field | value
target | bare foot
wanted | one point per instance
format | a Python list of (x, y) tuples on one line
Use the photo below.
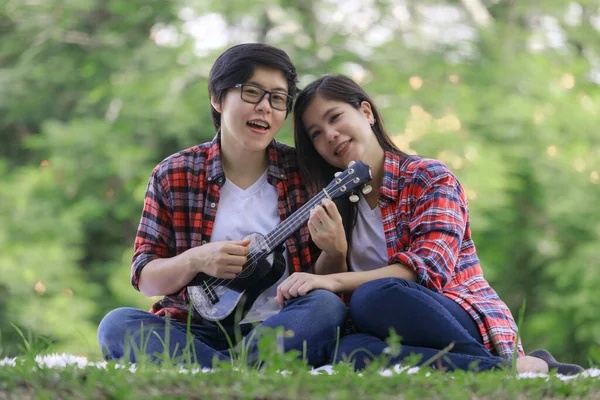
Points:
[(531, 364)]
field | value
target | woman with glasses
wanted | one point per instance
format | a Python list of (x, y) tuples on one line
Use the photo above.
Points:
[(200, 206), (411, 262)]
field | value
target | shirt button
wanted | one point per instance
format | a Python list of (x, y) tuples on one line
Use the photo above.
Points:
[(203, 242), (282, 175), (209, 178), (212, 205)]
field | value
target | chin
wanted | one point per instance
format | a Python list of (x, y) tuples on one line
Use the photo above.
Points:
[(337, 164), (350, 159)]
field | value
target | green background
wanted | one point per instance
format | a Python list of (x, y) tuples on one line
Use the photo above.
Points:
[(94, 93)]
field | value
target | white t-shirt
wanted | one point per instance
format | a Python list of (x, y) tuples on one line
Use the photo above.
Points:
[(242, 212), (369, 250)]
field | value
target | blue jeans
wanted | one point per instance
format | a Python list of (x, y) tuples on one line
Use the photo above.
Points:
[(315, 319), (426, 322)]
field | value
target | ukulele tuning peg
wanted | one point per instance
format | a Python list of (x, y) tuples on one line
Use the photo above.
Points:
[(353, 198), (337, 174), (351, 163), (366, 189)]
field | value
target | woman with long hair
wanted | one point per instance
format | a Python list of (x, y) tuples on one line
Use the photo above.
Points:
[(404, 250)]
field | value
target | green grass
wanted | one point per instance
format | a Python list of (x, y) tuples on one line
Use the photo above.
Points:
[(28, 380), (281, 376)]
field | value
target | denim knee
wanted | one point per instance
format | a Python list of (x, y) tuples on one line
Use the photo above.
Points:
[(118, 323), (372, 297), (325, 298), (327, 303), (320, 308)]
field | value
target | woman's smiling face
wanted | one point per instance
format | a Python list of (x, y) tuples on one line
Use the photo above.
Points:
[(340, 132)]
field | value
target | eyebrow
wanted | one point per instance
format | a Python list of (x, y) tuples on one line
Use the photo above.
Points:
[(277, 89), (323, 117)]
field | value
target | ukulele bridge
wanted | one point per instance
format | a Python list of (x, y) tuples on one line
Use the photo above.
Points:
[(212, 296)]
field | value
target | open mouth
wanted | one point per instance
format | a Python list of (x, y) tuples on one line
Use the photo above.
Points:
[(341, 148), (259, 125)]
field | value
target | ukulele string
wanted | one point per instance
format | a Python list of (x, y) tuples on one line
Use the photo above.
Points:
[(255, 256), (211, 283)]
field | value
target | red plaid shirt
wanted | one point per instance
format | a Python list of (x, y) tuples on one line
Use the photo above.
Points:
[(426, 224), (181, 204)]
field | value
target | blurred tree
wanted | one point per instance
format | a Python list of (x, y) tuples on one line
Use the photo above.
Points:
[(89, 103), (95, 93)]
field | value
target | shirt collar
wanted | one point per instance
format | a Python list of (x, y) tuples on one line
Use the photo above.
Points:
[(215, 171), (392, 177)]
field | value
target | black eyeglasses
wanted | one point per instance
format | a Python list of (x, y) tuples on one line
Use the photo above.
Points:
[(253, 94)]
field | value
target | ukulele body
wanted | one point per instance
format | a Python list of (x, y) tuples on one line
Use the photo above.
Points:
[(216, 299)]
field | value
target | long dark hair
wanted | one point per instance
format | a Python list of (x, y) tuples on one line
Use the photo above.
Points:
[(315, 171)]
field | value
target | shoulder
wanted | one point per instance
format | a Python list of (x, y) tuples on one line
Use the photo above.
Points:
[(185, 160), (285, 152), (285, 148), (286, 157), (425, 171), (287, 169)]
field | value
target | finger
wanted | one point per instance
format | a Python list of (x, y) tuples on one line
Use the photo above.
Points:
[(293, 290), (305, 288), (312, 228), (288, 281), (225, 275), (279, 298), (242, 242), (325, 219), (237, 249), (317, 214), (326, 203), (234, 260), (332, 210), (284, 287), (285, 291), (233, 269)]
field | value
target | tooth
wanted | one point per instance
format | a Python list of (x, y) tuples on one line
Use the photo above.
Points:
[(340, 149), (259, 123)]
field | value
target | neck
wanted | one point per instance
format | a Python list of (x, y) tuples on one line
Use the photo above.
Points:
[(243, 169), (376, 162), (242, 164)]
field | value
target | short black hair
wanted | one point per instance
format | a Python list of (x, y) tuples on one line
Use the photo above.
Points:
[(237, 65)]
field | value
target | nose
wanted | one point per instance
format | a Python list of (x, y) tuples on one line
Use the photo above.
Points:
[(331, 134), (264, 105)]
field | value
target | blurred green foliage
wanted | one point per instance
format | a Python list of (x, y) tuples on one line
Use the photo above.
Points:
[(93, 94)]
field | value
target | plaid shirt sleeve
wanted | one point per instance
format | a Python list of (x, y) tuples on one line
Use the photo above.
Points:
[(437, 226), (155, 237)]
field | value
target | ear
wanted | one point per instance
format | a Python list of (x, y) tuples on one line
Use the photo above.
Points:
[(367, 111), (215, 104)]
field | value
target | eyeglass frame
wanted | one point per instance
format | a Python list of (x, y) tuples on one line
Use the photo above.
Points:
[(288, 103)]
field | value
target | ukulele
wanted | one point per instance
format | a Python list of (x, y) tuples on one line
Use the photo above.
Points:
[(218, 299)]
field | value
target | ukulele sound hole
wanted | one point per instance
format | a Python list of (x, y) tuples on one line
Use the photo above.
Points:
[(258, 248)]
